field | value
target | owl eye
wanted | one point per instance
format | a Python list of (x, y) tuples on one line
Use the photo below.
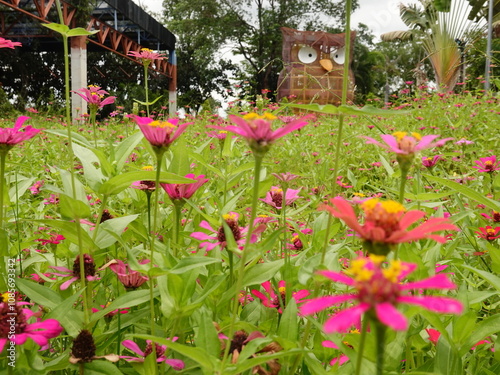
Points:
[(338, 55), (307, 55)]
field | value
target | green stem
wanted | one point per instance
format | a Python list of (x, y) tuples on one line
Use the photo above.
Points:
[(361, 349), (99, 217), (177, 224), (404, 174), (146, 87), (380, 331), (3, 157), (241, 272), (93, 121)]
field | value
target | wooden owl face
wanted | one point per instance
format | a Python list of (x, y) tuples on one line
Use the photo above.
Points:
[(314, 66)]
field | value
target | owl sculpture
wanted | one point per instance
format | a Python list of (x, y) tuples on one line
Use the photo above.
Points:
[(314, 67)]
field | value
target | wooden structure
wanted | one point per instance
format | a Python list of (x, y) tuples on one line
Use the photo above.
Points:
[(314, 67), (123, 27)]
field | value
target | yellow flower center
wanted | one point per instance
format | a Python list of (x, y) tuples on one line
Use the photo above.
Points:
[(295, 238), (282, 290), (230, 217), (358, 271), (4, 297), (392, 272), (490, 231), (147, 168), (146, 50), (255, 116), (277, 190), (161, 124), (222, 131), (361, 195), (488, 162)]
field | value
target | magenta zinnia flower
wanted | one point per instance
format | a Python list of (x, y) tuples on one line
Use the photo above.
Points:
[(489, 233), (386, 223), (74, 274), (160, 134), (177, 364), (218, 238), (95, 96), (488, 165), (15, 317), (431, 161), (274, 197), (278, 300), (402, 143), (184, 191), (6, 43), (256, 129), (379, 290), (147, 55), (9, 137)]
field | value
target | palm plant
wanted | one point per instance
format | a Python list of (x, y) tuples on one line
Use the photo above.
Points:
[(444, 32)]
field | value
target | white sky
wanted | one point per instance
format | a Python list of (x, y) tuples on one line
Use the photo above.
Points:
[(379, 15)]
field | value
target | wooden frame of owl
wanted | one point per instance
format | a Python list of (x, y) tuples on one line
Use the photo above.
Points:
[(314, 67)]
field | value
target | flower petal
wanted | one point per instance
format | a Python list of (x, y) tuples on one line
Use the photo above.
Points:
[(338, 277), (131, 345), (437, 304), (344, 319), (312, 306), (435, 282), (390, 316)]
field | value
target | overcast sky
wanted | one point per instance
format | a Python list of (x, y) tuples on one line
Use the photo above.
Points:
[(380, 16)]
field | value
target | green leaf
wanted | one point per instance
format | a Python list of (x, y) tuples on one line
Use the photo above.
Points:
[(489, 277), (70, 319), (206, 335), (189, 263), (123, 181), (39, 294), (447, 360), (370, 110), (93, 175), (148, 103), (328, 108), (75, 136), (4, 243), (289, 327), (72, 209), (261, 272), (101, 367), (57, 27), (129, 299), (487, 327), (113, 226), (80, 31), (468, 192), (124, 149)]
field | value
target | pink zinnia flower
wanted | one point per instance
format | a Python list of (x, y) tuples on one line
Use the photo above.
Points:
[(6, 43), (488, 165), (9, 137), (147, 55), (431, 161), (274, 197), (74, 274), (40, 332), (184, 191), (341, 359), (95, 96), (35, 188), (54, 239), (405, 144), (379, 290), (488, 233), (257, 131), (218, 238), (177, 364), (277, 300), (495, 216), (160, 134), (386, 223)]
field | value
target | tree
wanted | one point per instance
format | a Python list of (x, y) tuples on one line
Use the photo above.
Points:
[(248, 28), (443, 35)]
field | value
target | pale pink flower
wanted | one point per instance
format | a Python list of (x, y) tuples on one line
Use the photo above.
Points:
[(407, 144), (160, 134), (95, 96), (146, 55), (9, 137), (274, 197), (379, 290)]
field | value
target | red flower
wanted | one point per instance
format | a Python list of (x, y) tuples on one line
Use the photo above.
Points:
[(488, 233)]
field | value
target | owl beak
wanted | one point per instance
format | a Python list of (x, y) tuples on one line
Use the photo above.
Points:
[(326, 64)]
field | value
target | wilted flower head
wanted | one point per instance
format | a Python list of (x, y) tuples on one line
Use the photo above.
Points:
[(386, 224), (83, 349), (184, 191), (89, 270), (9, 137), (378, 289), (129, 278)]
